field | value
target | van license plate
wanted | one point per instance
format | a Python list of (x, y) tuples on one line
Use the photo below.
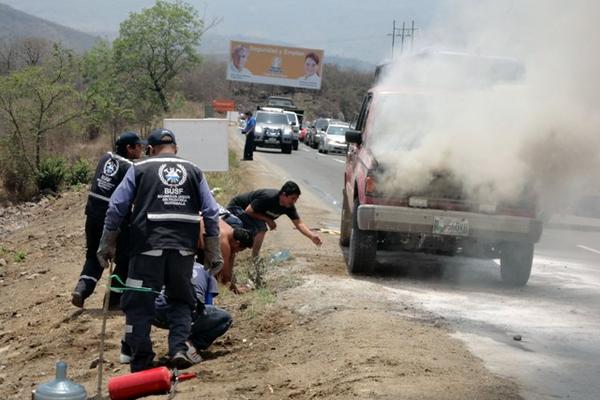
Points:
[(450, 226)]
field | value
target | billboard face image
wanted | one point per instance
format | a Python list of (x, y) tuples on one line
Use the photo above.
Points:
[(275, 65)]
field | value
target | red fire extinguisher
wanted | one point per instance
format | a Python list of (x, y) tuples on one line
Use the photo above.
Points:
[(144, 383)]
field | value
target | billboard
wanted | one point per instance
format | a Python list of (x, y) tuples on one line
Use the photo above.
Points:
[(275, 65)]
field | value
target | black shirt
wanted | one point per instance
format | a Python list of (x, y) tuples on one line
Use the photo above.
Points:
[(264, 201)]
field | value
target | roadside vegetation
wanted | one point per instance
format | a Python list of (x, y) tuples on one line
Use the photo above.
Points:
[(59, 110)]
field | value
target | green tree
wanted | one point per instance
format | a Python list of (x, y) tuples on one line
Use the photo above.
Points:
[(36, 100), (157, 44), (110, 99)]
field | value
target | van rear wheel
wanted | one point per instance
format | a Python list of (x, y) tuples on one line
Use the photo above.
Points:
[(515, 263), (346, 223), (363, 248)]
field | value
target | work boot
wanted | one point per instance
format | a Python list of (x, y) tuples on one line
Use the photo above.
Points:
[(79, 294)]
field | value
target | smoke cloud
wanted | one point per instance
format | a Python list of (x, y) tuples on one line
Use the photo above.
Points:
[(525, 114)]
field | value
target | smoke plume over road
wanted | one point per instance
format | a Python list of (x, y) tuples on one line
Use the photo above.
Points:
[(526, 113)]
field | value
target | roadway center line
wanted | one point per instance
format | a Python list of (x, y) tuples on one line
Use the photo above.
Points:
[(588, 249)]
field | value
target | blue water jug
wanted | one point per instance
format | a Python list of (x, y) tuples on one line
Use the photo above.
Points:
[(60, 388)]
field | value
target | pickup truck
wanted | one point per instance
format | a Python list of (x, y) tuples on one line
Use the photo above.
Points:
[(439, 219)]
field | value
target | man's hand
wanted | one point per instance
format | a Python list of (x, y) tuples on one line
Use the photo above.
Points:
[(238, 290), (107, 248), (272, 224), (316, 240), (213, 260)]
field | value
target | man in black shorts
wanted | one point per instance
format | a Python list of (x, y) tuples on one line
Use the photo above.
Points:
[(259, 209)]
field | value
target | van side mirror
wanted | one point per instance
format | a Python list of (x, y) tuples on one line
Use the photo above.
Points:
[(353, 136)]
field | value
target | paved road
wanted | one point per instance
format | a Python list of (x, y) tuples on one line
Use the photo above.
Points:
[(557, 315)]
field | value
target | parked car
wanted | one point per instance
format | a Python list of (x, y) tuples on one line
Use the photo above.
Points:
[(334, 138), (273, 130), (439, 218)]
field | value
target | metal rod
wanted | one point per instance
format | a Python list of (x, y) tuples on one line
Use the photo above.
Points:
[(103, 330)]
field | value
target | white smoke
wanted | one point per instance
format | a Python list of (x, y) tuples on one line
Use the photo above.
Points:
[(496, 139)]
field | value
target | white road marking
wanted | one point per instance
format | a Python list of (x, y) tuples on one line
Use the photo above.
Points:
[(340, 161), (306, 149), (588, 249)]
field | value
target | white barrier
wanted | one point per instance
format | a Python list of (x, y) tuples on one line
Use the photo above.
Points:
[(202, 141)]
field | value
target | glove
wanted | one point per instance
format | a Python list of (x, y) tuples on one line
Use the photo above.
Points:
[(213, 260), (107, 248)]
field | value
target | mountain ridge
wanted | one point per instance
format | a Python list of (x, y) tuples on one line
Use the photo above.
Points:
[(16, 24)]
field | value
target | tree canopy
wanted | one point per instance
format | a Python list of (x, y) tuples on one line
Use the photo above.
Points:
[(158, 43)]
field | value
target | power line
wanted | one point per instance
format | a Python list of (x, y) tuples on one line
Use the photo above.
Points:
[(403, 33)]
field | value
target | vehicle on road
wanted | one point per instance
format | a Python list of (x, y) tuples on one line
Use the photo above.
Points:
[(440, 219), (280, 101), (314, 135), (273, 130), (302, 134), (295, 124), (334, 138)]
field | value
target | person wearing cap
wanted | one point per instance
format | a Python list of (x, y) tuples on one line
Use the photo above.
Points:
[(110, 171), (167, 193)]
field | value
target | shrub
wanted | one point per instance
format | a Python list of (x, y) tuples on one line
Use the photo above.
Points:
[(80, 173), (20, 256), (16, 177), (52, 173)]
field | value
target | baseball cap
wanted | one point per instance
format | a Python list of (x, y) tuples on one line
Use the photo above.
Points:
[(161, 136), (130, 138)]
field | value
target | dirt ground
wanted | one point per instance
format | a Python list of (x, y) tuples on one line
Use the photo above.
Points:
[(313, 333)]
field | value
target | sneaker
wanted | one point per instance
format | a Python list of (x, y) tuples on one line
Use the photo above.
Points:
[(192, 353), (124, 358)]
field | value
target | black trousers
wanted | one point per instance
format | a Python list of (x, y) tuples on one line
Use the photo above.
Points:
[(249, 146), (92, 271), (174, 271)]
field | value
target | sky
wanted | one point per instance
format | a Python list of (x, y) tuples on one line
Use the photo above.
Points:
[(350, 28)]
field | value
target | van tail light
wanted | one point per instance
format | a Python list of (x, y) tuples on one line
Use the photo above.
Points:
[(371, 185)]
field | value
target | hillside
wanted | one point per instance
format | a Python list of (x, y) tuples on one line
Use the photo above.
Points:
[(15, 24)]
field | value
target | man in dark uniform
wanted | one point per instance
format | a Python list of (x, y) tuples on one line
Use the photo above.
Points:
[(210, 321), (109, 173), (260, 208), (249, 132), (167, 193)]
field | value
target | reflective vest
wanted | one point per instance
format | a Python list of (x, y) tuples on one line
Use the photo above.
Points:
[(109, 173), (167, 204)]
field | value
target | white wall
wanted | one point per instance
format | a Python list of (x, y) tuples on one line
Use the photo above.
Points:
[(202, 141)]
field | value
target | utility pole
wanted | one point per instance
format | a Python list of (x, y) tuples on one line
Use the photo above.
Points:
[(403, 33)]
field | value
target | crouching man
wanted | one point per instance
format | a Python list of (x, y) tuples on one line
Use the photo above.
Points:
[(208, 321)]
